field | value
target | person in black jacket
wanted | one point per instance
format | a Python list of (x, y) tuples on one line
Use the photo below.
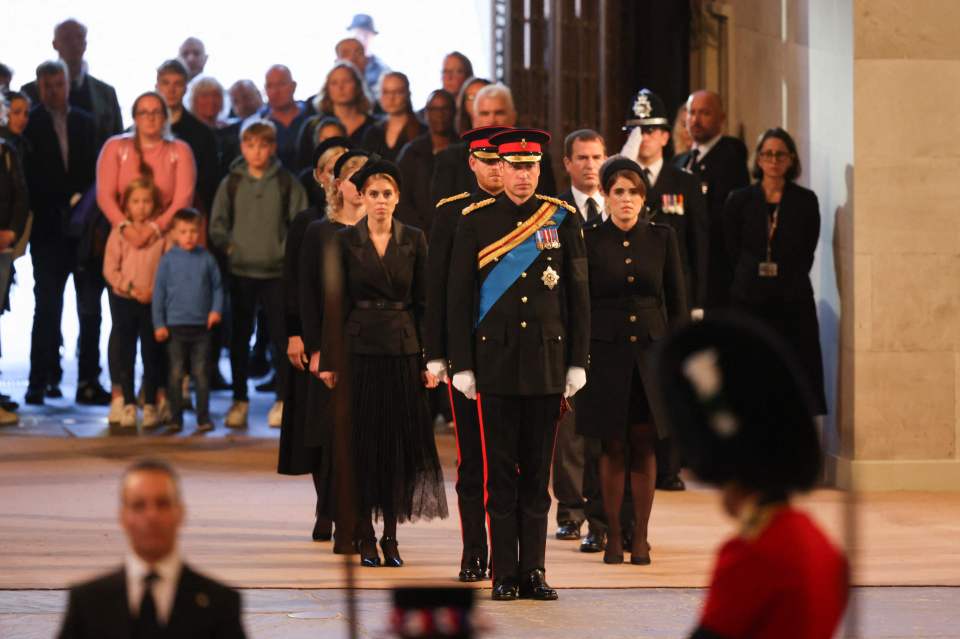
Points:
[(772, 229), (383, 264), (297, 457), (14, 210), (637, 293), (518, 317), (172, 85), (719, 163), (60, 172), (485, 164), (155, 593), (400, 125)]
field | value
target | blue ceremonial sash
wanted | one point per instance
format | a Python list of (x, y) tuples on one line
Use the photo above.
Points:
[(509, 268)]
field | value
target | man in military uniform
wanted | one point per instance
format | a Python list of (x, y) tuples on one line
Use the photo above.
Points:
[(518, 313), (485, 165), (674, 199), (719, 164)]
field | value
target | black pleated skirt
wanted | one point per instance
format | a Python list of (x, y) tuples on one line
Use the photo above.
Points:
[(298, 455), (395, 455)]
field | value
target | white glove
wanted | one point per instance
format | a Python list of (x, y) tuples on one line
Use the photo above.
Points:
[(576, 379), (438, 368), (631, 148), (696, 314), (466, 383)]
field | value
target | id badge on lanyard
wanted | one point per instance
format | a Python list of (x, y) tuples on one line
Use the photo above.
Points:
[(769, 268)]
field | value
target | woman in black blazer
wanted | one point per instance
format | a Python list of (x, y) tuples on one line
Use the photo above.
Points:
[(772, 229), (637, 292), (383, 264)]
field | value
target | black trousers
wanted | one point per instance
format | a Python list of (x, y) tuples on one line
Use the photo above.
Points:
[(519, 434), (568, 459), (473, 525), (189, 343), (54, 261), (132, 321), (245, 294)]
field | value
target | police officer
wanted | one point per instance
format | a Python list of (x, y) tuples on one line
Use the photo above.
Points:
[(484, 163), (518, 316), (674, 198)]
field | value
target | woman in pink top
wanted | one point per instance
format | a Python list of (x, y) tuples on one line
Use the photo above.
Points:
[(149, 151)]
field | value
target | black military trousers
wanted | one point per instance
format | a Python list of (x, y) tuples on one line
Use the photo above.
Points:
[(519, 434), (473, 525)]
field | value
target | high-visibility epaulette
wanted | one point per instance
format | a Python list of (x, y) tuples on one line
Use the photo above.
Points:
[(453, 198), (558, 202), (478, 205)]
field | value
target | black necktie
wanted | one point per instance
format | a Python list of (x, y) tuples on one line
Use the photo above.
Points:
[(647, 176), (592, 211), (692, 162), (147, 623)]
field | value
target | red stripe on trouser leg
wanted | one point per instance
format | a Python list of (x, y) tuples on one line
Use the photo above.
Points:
[(486, 474), (456, 438)]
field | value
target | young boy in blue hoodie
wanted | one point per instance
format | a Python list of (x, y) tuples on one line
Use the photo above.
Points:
[(187, 303), (252, 209)]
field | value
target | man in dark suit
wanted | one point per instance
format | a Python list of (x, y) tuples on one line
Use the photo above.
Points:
[(674, 198), (86, 92), (492, 106), (719, 163), (154, 593), (584, 151), (518, 314), (172, 85), (60, 171)]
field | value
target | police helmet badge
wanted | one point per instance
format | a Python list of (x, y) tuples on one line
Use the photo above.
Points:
[(641, 106)]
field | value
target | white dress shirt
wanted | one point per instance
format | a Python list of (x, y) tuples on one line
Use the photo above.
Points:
[(581, 199), (705, 147), (654, 170), (164, 588)]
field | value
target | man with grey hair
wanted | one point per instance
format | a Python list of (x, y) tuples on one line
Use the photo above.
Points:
[(154, 593), (86, 92), (492, 106)]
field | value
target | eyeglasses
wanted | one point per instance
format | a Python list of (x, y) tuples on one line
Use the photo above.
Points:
[(775, 156), (149, 114)]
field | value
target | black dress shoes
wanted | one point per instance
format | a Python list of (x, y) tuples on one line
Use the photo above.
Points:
[(322, 529), (369, 557), (53, 391), (534, 585), (34, 396), (391, 552), (505, 589), (472, 568), (593, 542), (92, 394), (569, 530), (671, 483)]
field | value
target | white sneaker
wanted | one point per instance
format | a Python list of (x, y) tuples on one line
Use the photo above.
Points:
[(275, 416), (129, 417), (8, 418), (151, 418), (237, 415), (116, 411)]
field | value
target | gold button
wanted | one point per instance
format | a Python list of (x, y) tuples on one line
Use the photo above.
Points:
[(523, 324), (626, 243), (633, 318), (549, 259), (633, 338), (559, 338), (524, 299), (483, 338), (630, 278), (628, 261), (519, 223), (524, 274)]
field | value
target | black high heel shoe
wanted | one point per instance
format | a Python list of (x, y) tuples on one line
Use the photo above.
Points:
[(391, 554), (640, 555), (368, 553), (322, 529)]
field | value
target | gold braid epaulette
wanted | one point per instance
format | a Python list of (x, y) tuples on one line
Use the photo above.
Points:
[(558, 202), (478, 205), (453, 198)]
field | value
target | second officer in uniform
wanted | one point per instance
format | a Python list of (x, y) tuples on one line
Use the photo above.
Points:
[(519, 325)]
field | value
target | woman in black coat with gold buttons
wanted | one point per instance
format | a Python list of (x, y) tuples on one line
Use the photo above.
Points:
[(636, 295)]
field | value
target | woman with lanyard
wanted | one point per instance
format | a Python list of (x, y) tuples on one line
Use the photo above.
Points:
[(772, 229), (636, 293), (739, 410)]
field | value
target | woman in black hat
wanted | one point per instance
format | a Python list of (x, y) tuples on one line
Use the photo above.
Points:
[(740, 411), (395, 458), (636, 294), (772, 229), (308, 446)]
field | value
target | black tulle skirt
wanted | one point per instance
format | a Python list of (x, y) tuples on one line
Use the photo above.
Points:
[(395, 455)]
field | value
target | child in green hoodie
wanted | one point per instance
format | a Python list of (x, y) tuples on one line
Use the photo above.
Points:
[(251, 212)]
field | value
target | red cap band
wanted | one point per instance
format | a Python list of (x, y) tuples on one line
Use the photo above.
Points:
[(519, 147), (481, 144)]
